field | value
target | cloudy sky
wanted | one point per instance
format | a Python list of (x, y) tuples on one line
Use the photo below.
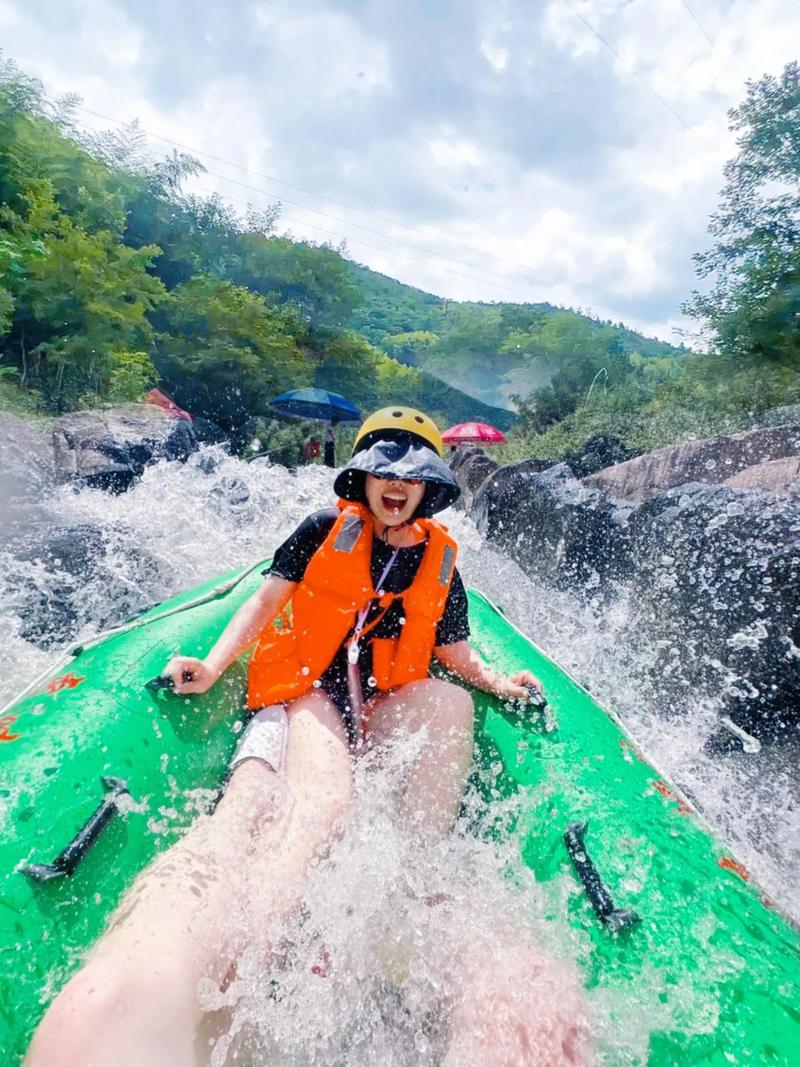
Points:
[(560, 150)]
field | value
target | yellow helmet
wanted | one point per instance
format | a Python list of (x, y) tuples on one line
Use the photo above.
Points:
[(392, 422)]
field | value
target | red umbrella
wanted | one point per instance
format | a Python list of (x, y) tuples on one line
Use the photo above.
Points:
[(161, 400), (480, 433)]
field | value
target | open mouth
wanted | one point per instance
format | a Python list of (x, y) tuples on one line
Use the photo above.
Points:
[(393, 502)]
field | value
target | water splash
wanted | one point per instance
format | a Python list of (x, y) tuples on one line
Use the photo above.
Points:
[(368, 908)]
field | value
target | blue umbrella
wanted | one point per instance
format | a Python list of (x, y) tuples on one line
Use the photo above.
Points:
[(316, 404)]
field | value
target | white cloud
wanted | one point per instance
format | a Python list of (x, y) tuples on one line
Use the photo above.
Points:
[(455, 153), (496, 57), (512, 143), (328, 49)]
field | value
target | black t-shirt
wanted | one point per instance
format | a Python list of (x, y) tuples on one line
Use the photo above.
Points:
[(292, 558)]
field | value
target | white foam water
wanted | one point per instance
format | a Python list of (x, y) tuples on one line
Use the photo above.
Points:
[(403, 931)]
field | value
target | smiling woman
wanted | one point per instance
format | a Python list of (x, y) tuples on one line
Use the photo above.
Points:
[(375, 596), (389, 498)]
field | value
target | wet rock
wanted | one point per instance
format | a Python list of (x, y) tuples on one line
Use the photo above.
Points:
[(712, 572), (711, 461), (62, 577), (774, 476), (786, 415), (597, 453), (471, 466), (110, 448), (208, 433), (554, 526), (716, 584)]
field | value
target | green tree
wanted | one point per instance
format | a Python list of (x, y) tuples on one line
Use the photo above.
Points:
[(411, 347), (81, 301), (224, 352), (752, 311)]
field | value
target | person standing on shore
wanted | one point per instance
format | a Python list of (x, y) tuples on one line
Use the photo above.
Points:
[(330, 443)]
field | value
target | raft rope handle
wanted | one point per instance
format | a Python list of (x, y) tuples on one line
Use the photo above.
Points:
[(65, 657), (68, 859), (599, 897)]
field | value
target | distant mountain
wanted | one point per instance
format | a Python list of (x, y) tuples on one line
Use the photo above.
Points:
[(391, 383), (490, 351)]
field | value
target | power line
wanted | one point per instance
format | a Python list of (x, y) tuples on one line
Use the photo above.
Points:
[(710, 39), (635, 73), (700, 25), (488, 276), (392, 252), (308, 192), (379, 233)]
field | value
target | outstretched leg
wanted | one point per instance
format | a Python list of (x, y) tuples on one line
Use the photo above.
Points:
[(514, 1005), (191, 913), (319, 790), (134, 1001)]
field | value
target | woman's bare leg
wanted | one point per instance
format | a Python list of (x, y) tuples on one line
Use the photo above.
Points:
[(134, 1001), (319, 791), (191, 913), (514, 1005), (436, 784)]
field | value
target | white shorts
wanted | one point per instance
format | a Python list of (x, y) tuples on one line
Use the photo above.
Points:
[(264, 738)]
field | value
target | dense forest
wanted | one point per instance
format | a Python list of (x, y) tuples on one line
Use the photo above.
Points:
[(114, 279)]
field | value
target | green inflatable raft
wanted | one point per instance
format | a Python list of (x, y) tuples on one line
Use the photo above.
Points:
[(94, 766)]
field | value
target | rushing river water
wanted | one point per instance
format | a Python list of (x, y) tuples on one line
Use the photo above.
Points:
[(182, 524)]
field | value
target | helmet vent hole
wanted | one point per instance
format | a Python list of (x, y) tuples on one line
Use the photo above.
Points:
[(418, 418), (397, 414)]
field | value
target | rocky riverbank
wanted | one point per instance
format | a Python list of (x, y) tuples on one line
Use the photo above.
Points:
[(703, 538)]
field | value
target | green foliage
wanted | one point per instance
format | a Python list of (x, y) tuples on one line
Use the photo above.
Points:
[(6, 303), (411, 347), (223, 351), (495, 352), (388, 308), (352, 366), (132, 374), (753, 308), (15, 398), (80, 300), (312, 278)]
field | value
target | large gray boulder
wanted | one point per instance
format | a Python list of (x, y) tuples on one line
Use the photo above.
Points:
[(471, 466), (598, 452), (711, 571), (553, 525), (716, 586), (711, 461), (110, 448), (774, 476)]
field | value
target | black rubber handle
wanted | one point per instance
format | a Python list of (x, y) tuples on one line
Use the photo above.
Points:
[(65, 863), (166, 681), (599, 897), (539, 701)]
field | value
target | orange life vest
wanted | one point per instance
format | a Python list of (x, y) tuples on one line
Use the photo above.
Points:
[(293, 652)]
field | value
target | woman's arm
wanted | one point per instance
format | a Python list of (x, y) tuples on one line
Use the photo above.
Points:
[(464, 661), (257, 612)]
